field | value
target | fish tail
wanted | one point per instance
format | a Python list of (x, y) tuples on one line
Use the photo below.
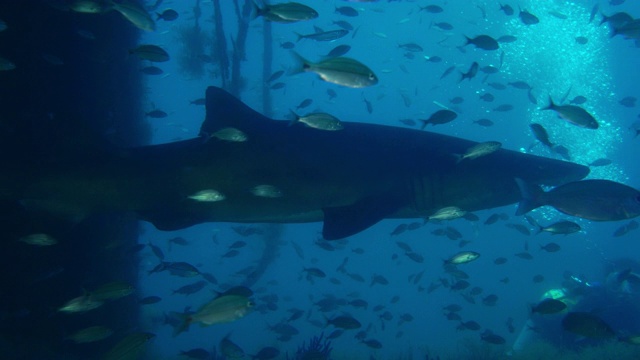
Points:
[(257, 10), (459, 158), (424, 124), (295, 116), (301, 64), (185, 321), (551, 105), (300, 36), (529, 197)]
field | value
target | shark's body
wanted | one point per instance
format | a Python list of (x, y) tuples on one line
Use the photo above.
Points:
[(350, 179)]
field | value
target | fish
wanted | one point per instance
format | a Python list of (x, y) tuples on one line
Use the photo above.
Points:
[(447, 213), (208, 195), (130, 347), (190, 288), (484, 42), (506, 9), (324, 36), (320, 121), (347, 11), (152, 182), (6, 64), (587, 325), (135, 13), (471, 73), (39, 239), (439, 117), (339, 70), (80, 304), (481, 149), (574, 115), (540, 133), (434, 9), (338, 51), (167, 15), (528, 18), (462, 257), (88, 6), (152, 53), (289, 12), (561, 227), (90, 334), (344, 322), (111, 291), (225, 308), (597, 200)]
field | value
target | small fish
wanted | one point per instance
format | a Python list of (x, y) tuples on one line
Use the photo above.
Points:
[(324, 36), (340, 70), (506, 9), (503, 108), (587, 325), (345, 322), (39, 239), (6, 65), (152, 53), (560, 227), (136, 14), (167, 15), (347, 11), (230, 134), (550, 247), (447, 213), (227, 307), (439, 117), (338, 51), (481, 149), (90, 334), (112, 290), (285, 12), (484, 42), (190, 288), (208, 195), (150, 300), (528, 18), (462, 257), (151, 70), (471, 73), (130, 347), (574, 115), (266, 191), (434, 9), (320, 121), (80, 304), (483, 122)]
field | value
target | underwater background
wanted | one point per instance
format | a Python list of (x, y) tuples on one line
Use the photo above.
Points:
[(73, 73)]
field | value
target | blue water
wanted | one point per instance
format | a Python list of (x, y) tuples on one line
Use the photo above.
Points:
[(545, 55)]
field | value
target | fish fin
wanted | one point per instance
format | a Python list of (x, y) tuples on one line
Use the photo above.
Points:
[(301, 64), (165, 219), (185, 321), (343, 221), (529, 197), (224, 109), (295, 116)]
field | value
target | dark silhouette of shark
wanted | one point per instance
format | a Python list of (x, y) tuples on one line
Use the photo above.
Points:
[(350, 179)]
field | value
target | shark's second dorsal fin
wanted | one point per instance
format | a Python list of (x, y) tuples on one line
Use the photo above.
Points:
[(225, 110)]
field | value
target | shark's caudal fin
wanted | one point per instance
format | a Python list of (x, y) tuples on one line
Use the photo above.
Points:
[(223, 110)]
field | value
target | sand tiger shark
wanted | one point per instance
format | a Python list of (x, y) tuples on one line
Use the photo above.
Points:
[(348, 179)]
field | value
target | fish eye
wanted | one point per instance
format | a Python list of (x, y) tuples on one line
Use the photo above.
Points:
[(372, 76)]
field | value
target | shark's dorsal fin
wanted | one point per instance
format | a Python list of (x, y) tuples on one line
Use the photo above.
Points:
[(224, 110)]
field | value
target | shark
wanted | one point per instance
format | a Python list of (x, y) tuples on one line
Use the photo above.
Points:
[(348, 179)]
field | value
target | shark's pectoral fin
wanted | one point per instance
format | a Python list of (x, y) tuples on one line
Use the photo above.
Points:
[(343, 221), (167, 219)]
